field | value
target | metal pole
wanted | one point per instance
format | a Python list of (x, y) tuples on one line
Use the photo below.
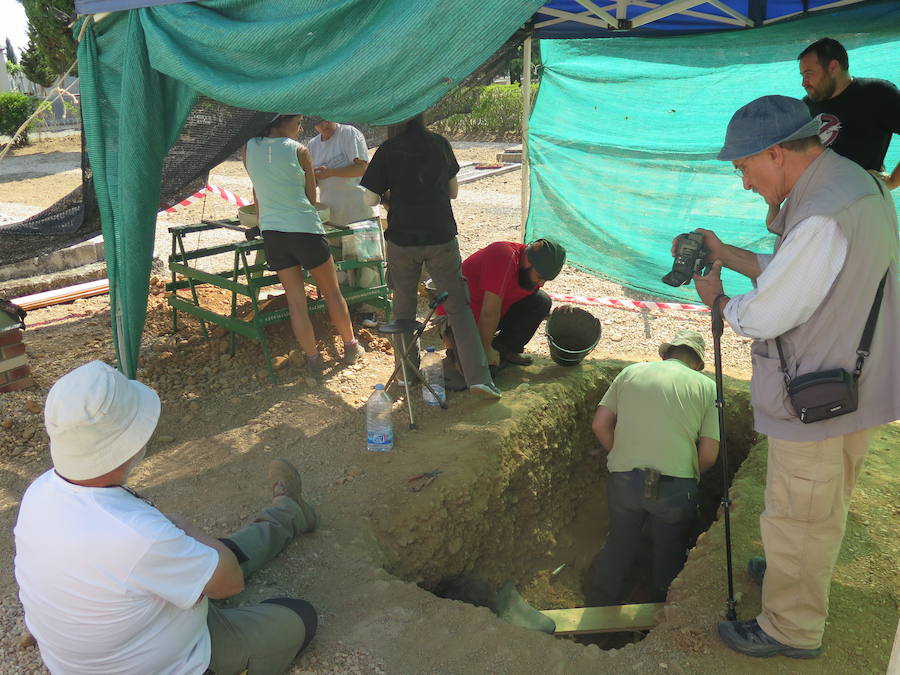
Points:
[(718, 326), (526, 112)]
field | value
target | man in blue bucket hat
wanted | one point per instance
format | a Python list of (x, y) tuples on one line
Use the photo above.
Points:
[(659, 423), (831, 279)]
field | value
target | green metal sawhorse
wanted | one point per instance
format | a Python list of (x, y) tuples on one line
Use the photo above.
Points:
[(246, 279)]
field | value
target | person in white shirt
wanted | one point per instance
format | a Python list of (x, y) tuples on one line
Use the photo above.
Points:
[(110, 584), (340, 158)]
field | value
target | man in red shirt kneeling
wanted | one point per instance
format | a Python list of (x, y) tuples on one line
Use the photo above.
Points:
[(505, 280)]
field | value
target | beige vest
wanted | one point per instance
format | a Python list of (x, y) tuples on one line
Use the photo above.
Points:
[(836, 187)]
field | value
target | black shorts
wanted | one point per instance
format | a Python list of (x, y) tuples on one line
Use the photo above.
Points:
[(289, 249)]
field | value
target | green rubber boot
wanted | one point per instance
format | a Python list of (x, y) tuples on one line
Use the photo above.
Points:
[(512, 608)]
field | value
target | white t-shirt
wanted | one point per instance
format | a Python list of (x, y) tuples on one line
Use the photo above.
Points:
[(341, 195), (108, 583)]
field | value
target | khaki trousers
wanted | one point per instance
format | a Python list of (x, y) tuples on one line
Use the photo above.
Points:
[(808, 490)]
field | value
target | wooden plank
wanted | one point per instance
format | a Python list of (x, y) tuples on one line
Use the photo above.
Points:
[(613, 619), (468, 175), (60, 295)]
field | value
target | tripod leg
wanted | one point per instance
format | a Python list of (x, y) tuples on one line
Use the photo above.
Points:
[(403, 362), (406, 349), (718, 327)]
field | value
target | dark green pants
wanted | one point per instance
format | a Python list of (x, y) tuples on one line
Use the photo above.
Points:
[(263, 638)]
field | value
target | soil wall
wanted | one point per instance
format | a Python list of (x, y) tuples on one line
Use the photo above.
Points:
[(512, 487)]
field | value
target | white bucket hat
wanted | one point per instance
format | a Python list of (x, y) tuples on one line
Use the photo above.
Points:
[(97, 419)]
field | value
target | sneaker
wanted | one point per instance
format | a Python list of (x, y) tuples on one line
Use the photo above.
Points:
[(515, 358), (413, 380), (352, 352), (286, 482), (487, 391), (756, 569), (748, 638)]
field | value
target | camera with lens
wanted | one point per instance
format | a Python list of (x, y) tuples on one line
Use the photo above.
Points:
[(691, 257)]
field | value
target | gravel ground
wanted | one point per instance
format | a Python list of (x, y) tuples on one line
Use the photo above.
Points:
[(207, 407)]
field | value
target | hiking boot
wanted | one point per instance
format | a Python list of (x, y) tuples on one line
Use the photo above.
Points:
[(286, 482), (756, 569), (353, 352), (512, 608), (487, 391), (748, 638)]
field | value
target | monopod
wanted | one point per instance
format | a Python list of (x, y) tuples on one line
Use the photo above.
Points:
[(718, 326)]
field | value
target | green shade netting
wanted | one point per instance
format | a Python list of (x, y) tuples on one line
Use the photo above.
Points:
[(624, 133), (374, 61)]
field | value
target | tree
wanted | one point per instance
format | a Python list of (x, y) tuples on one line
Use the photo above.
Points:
[(36, 68), (50, 36), (515, 64), (11, 53)]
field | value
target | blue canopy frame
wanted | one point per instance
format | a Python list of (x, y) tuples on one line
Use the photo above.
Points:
[(572, 19)]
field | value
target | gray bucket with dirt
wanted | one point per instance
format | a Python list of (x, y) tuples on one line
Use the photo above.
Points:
[(572, 334)]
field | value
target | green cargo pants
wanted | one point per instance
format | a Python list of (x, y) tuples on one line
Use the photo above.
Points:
[(267, 637)]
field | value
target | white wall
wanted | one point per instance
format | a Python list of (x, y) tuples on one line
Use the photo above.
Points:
[(4, 76)]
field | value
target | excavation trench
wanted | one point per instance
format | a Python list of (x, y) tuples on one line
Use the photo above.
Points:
[(522, 496)]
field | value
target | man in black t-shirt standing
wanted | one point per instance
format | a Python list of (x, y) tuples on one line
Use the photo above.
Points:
[(414, 172), (859, 115)]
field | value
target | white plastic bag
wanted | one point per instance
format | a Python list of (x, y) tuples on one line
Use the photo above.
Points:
[(365, 244)]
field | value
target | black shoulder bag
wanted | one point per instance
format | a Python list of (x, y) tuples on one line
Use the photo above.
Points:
[(831, 393)]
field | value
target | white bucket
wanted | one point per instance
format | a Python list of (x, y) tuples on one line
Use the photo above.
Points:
[(248, 216)]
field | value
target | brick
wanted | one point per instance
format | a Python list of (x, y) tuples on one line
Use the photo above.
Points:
[(15, 362), (10, 337), (24, 383), (3, 378), (18, 373), (12, 350)]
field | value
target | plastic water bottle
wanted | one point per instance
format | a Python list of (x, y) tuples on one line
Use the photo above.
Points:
[(379, 428), (433, 374)]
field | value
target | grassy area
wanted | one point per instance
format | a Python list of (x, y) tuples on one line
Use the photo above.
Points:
[(865, 590)]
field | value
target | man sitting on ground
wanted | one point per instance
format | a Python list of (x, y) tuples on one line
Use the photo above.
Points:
[(505, 280), (110, 584), (658, 421)]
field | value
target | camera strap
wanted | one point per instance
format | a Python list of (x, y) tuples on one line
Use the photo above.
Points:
[(864, 343)]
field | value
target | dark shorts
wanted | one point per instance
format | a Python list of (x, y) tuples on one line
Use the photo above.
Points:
[(289, 249)]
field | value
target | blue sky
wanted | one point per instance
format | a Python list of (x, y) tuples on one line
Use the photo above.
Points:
[(13, 25)]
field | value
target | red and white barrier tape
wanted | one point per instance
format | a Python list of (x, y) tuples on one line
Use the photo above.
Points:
[(227, 195), (618, 303), (633, 305)]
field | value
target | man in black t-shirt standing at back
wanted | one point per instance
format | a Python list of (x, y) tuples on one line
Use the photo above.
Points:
[(859, 115), (414, 172)]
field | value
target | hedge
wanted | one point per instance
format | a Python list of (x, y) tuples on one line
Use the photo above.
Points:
[(15, 108), (496, 114)]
